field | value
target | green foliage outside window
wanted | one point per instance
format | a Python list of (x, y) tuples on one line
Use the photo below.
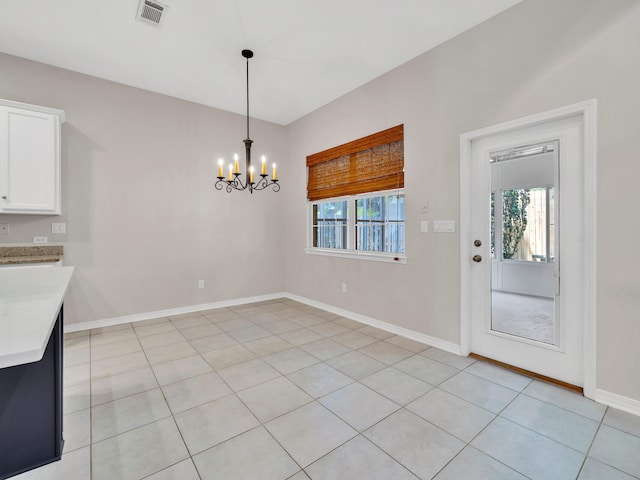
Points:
[(514, 220)]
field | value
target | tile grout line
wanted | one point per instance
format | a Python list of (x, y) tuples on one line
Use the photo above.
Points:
[(149, 365), (128, 396), (235, 394), (261, 424), (584, 460), (316, 400), (593, 440), (247, 314), (496, 415), (190, 457), (282, 375)]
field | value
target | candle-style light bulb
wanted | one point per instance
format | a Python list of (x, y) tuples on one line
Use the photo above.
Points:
[(236, 167), (251, 174), (220, 170), (275, 172), (264, 165), (230, 172)]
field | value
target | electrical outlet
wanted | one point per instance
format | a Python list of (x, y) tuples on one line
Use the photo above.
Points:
[(4, 229), (344, 287), (58, 228), (200, 283), (40, 240)]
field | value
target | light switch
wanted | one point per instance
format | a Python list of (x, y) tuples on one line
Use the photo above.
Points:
[(424, 226), (444, 226)]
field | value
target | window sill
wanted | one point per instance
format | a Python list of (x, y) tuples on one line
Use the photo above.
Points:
[(371, 256)]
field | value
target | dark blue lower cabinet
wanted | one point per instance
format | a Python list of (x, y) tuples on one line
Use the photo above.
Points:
[(31, 410)]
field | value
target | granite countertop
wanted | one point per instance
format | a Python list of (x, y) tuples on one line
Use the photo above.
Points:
[(30, 254), (29, 305)]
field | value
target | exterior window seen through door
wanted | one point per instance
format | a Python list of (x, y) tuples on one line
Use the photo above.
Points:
[(527, 225)]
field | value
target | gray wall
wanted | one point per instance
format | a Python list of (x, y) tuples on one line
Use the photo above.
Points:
[(144, 222), (536, 56)]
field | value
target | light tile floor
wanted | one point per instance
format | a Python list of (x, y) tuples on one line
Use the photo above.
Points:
[(280, 390)]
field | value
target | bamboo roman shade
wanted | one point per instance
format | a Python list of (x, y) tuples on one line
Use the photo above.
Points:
[(369, 164)]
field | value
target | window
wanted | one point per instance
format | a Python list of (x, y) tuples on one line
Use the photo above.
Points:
[(380, 223), (356, 198), (377, 226), (330, 224), (526, 223)]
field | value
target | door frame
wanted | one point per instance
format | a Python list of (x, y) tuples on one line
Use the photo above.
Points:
[(586, 113)]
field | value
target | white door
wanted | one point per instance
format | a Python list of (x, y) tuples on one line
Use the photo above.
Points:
[(526, 295)]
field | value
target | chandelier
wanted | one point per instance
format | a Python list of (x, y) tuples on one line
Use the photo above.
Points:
[(253, 181)]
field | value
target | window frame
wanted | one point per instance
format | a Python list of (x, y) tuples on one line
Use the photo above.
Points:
[(351, 251)]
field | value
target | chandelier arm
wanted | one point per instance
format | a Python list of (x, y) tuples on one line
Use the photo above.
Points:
[(225, 184), (260, 184), (237, 182), (264, 183)]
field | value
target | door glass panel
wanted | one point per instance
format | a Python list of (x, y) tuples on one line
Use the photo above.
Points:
[(523, 243), (527, 224)]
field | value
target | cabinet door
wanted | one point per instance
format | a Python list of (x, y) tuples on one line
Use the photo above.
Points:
[(29, 162)]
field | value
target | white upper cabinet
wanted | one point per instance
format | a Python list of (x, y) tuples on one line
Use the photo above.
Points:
[(29, 158)]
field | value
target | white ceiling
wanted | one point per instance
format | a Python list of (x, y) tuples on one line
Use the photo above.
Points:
[(307, 53)]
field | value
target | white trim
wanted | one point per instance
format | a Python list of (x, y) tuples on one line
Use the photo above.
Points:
[(136, 317), (35, 108), (589, 119), (587, 110), (614, 400), (358, 255), (465, 248), (388, 327)]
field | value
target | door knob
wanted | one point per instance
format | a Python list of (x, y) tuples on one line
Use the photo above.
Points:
[(477, 243), (477, 258)]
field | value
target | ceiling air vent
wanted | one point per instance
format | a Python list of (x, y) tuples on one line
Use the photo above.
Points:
[(151, 12)]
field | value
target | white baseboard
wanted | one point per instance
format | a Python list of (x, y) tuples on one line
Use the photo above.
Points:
[(388, 327), (614, 400), (403, 332), (107, 322)]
